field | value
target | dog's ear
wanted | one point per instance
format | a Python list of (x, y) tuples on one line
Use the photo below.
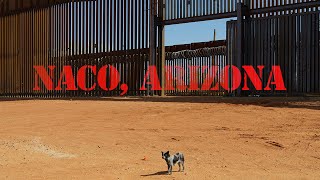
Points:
[(167, 152), (162, 153)]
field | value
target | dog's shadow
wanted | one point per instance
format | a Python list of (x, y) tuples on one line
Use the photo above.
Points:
[(160, 173)]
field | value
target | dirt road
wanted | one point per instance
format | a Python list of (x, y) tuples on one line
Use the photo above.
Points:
[(123, 138)]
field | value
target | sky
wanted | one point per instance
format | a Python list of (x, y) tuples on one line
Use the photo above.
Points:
[(195, 32)]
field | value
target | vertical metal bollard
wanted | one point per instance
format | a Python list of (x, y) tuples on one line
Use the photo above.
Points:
[(239, 59)]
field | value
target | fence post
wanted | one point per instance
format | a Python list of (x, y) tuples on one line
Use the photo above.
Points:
[(239, 59), (152, 39), (162, 11)]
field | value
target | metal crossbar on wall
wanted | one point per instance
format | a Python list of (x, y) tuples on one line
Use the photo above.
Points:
[(184, 11)]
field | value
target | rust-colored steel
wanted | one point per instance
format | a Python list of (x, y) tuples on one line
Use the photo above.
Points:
[(128, 34), (64, 32), (291, 41)]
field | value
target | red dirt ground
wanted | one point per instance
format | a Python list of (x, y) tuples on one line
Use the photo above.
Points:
[(268, 138)]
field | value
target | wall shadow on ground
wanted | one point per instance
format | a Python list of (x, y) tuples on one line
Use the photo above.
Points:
[(281, 102)]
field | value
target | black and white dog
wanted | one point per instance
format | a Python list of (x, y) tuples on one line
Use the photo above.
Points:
[(173, 160)]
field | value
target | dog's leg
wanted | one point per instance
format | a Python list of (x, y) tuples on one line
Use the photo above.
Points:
[(182, 163), (179, 166), (170, 170)]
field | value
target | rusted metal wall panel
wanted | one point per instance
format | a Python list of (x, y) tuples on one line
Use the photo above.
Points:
[(290, 41), (117, 32), (61, 34)]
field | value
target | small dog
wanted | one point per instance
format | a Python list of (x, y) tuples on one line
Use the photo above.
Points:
[(173, 160)]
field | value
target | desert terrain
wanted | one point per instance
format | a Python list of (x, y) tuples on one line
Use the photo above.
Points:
[(122, 138)]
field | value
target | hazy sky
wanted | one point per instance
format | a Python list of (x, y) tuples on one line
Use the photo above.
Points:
[(195, 32)]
